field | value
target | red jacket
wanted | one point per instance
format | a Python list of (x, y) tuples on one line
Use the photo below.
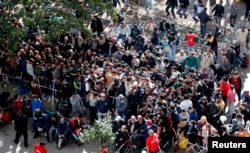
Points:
[(17, 106), (236, 82), (152, 142), (190, 39), (224, 88), (72, 124)]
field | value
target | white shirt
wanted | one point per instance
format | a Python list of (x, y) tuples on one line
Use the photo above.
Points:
[(124, 30), (200, 9), (92, 101), (86, 87), (186, 103), (180, 58), (241, 36)]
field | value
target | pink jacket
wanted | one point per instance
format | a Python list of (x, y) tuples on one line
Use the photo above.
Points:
[(231, 96)]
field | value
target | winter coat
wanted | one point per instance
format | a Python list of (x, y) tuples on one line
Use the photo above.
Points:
[(218, 10), (241, 36), (102, 106), (36, 104), (204, 17), (121, 107), (224, 87), (96, 26), (206, 61)]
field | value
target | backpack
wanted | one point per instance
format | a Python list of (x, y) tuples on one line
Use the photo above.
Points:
[(6, 117)]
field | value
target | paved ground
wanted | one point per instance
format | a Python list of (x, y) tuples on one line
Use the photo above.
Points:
[(7, 131)]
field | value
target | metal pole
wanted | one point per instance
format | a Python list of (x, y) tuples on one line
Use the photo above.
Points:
[(53, 89)]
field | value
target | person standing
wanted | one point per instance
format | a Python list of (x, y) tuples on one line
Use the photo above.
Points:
[(17, 105), (236, 81), (152, 142), (21, 128), (123, 31), (102, 106), (183, 5), (247, 9), (77, 104), (155, 37), (198, 8), (36, 90), (96, 25), (207, 59), (231, 100), (224, 88), (218, 12), (190, 37), (171, 4), (233, 13), (92, 99), (204, 19), (212, 42), (241, 36)]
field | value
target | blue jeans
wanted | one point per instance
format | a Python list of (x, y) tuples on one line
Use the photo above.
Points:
[(218, 20), (191, 48), (169, 55), (195, 11), (75, 137), (187, 68), (203, 29), (173, 49), (149, 4), (122, 37)]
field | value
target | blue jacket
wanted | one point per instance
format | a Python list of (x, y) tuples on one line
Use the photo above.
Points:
[(121, 107), (175, 118), (139, 96), (23, 63), (36, 104), (43, 123), (102, 107), (63, 128), (193, 116)]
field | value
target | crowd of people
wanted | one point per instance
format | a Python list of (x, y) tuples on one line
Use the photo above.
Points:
[(151, 90)]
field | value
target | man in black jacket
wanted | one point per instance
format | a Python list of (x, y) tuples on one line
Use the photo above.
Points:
[(218, 12), (164, 28), (183, 5), (96, 25), (21, 128), (171, 4), (204, 19)]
